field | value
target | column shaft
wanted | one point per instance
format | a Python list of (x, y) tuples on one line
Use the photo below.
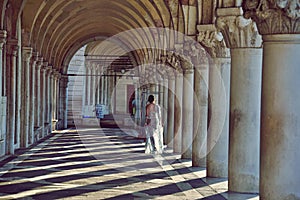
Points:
[(93, 89), (280, 128), (26, 56), (218, 130), (3, 99), (200, 116), (170, 133), (88, 86), (12, 50), (178, 113), (43, 99), (32, 112), (38, 93), (187, 113), (165, 110), (246, 70)]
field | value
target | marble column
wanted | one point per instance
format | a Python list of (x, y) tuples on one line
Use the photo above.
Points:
[(160, 92), (102, 89), (43, 98), (32, 113), (219, 97), (177, 142), (170, 123), (165, 110), (105, 92), (218, 130), (64, 101), (137, 104), (52, 79), (88, 84), (3, 98), (200, 114), (48, 116), (3, 35), (245, 96), (12, 50), (93, 84), (26, 56), (187, 107), (280, 113), (37, 118), (98, 84)]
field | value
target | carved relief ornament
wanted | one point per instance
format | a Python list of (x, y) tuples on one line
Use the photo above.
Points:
[(212, 41), (239, 32), (274, 16)]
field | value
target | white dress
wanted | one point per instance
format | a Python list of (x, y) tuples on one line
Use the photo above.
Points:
[(154, 132)]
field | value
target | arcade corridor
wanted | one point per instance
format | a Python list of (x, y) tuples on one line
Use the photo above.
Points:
[(224, 72)]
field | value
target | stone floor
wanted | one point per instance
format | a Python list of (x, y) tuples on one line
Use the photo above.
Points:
[(104, 164)]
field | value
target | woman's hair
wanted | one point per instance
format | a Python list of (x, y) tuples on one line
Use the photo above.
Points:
[(151, 98)]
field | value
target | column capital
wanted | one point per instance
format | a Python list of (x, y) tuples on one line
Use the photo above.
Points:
[(49, 70), (238, 31), (35, 56), (12, 47), (40, 61), (213, 41), (274, 17), (186, 64), (26, 54), (64, 81), (3, 36)]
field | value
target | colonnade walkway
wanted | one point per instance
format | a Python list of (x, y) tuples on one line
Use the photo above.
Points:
[(104, 164)]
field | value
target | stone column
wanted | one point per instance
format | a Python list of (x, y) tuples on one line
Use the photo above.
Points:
[(43, 98), (3, 99), (187, 107), (52, 99), (137, 104), (280, 128), (32, 113), (165, 110), (99, 86), (170, 123), (64, 101), (102, 89), (38, 92), (178, 112), (242, 38), (26, 56), (218, 110), (12, 50), (200, 109), (3, 35), (48, 97), (88, 84), (93, 84)]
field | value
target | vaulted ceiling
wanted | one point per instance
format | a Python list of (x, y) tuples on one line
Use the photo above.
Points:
[(56, 29)]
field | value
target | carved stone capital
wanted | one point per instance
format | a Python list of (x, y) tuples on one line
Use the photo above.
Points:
[(186, 64), (26, 54), (39, 63), (238, 32), (274, 16), (35, 56), (12, 47), (212, 41), (3, 36)]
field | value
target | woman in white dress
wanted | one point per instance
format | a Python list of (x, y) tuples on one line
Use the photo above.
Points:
[(153, 127)]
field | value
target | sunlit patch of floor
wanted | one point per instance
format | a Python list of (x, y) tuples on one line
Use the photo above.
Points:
[(105, 164)]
